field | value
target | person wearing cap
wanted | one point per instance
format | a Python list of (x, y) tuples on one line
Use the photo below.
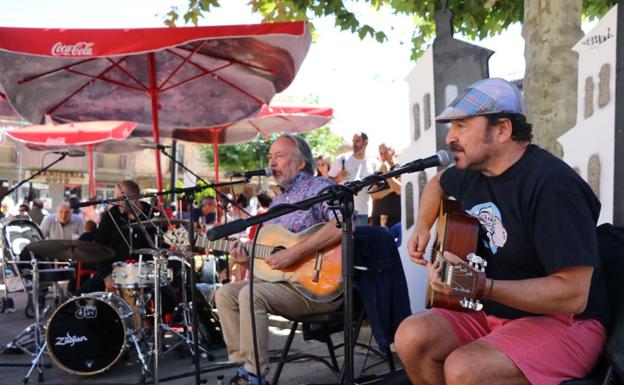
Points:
[(545, 309), (292, 165)]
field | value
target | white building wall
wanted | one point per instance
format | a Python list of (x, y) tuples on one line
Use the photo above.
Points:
[(594, 135), (420, 81)]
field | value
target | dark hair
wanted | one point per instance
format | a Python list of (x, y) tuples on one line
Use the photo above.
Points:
[(130, 187), (37, 203), (25, 207), (242, 200), (363, 135), (521, 130), (264, 198), (90, 226)]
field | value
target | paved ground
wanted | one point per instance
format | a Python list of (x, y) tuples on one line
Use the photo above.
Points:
[(173, 364)]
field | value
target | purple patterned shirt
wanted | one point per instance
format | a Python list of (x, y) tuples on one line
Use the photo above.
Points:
[(301, 187)]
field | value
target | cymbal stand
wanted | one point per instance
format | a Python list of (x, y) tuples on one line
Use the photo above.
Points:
[(40, 348), (157, 262), (186, 337)]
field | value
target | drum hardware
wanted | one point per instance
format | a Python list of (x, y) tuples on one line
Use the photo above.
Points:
[(24, 341), (186, 336), (88, 334), (158, 223), (66, 250), (40, 348)]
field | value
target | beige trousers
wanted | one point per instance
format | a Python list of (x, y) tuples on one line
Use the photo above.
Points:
[(276, 298)]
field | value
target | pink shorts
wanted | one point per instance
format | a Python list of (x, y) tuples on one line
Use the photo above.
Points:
[(547, 349)]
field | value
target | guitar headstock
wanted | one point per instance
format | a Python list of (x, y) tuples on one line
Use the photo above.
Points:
[(177, 236), (468, 281)]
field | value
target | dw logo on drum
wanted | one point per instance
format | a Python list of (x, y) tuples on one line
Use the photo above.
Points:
[(86, 312)]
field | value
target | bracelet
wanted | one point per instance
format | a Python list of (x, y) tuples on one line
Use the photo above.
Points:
[(489, 293)]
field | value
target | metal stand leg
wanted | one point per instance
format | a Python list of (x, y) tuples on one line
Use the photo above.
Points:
[(186, 337), (39, 347)]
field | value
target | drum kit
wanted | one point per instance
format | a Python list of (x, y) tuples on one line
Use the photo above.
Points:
[(88, 334)]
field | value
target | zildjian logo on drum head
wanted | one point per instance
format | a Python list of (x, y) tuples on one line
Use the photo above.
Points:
[(69, 340)]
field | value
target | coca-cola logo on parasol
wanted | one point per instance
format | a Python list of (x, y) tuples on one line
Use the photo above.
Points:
[(81, 48)]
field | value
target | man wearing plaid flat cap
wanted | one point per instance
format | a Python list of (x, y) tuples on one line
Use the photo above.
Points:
[(545, 313)]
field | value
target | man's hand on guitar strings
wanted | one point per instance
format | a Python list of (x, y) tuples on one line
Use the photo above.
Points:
[(280, 260), (417, 244), (435, 280), (238, 252)]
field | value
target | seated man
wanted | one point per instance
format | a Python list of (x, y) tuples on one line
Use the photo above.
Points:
[(292, 163), (545, 309), (113, 231), (63, 224), (205, 215)]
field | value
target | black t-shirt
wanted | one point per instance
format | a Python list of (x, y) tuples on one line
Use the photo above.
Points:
[(537, 217), (113, 229)]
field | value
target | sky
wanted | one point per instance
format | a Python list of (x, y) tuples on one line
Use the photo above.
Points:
[(362, 80)]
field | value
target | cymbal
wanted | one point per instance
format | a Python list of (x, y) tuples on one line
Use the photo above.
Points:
[(157, 222), (65, 250)]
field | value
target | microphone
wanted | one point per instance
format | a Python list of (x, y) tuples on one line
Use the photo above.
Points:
[(441, 158), (154, 146), (226, 229), (73, 153), (248, 174)]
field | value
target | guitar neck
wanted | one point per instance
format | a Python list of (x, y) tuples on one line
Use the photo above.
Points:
[(262, 251)]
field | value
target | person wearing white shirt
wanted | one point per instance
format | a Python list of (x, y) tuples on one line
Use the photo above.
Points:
[(63, 224), (355, 166)]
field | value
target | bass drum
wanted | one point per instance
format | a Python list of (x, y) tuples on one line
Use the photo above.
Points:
[(87, 335)]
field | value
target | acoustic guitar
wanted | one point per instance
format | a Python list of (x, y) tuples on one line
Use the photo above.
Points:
[(317, 276), (458, 233)]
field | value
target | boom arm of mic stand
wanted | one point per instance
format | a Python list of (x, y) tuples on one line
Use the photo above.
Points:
[(332, 193), (183, 190), (222, 195), (33, 176)]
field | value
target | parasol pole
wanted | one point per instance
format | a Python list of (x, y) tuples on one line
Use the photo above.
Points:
[(91, 173), (154, 91), (215, 157)]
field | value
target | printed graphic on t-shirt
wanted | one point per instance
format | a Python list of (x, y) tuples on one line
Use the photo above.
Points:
[(490, 217)]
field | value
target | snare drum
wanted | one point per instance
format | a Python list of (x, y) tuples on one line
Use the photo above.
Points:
[(127, 275), (87, 335)]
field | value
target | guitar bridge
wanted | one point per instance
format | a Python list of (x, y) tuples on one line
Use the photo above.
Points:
[(317, 266)]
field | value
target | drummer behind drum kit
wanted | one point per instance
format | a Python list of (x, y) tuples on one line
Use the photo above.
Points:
[(87, 335)]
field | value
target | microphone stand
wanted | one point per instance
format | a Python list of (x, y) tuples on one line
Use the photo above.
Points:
[(343, 194), (60, 158), (221, 195), (190, 199)]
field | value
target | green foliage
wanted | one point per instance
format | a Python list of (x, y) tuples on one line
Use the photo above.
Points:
[(238, 157), (252, 155), (475, 19), (323, 141), (199, 196)]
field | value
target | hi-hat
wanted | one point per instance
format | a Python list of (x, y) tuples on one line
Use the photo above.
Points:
[(69, 250)]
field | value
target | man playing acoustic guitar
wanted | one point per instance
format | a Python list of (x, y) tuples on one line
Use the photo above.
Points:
[(545, 308), (292, 164)]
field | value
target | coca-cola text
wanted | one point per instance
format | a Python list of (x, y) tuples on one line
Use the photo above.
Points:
[(81, 48)]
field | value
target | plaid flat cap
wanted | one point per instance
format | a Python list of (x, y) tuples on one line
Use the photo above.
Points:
[(485, 97)]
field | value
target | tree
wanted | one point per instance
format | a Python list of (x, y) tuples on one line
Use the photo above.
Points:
[(238, 157), (551, 28), (323, 141), (252, 155)]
